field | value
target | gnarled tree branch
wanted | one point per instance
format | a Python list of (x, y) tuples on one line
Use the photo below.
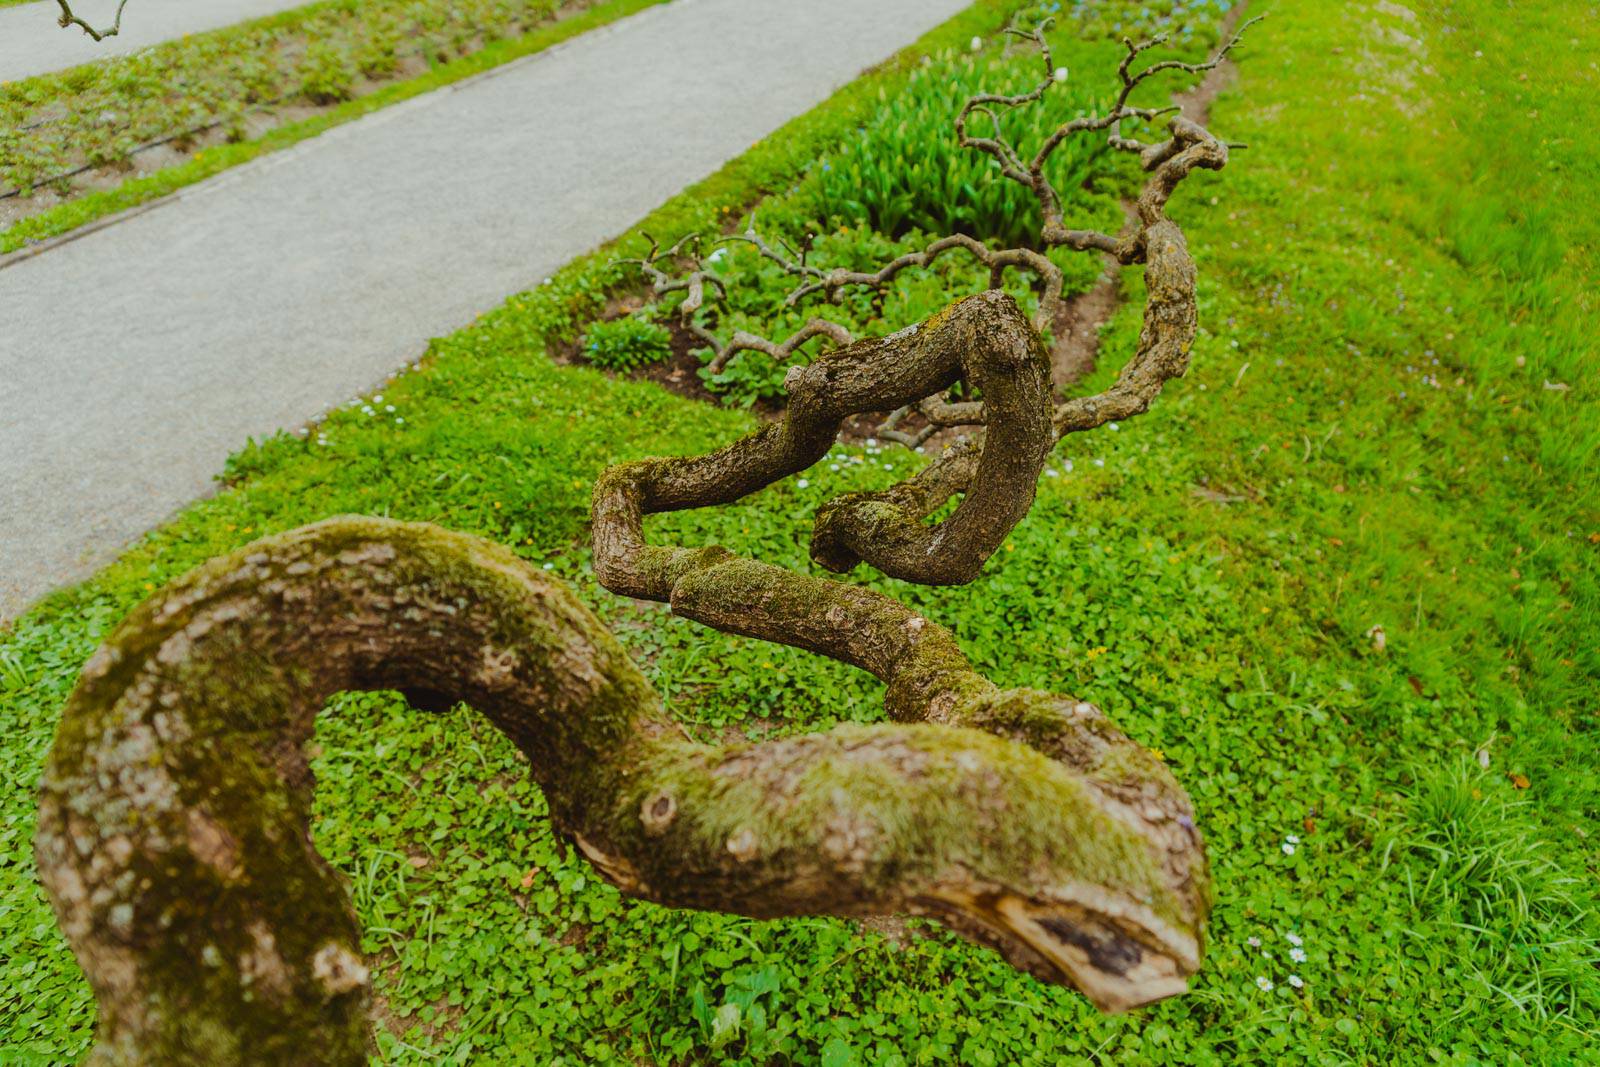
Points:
[(694, 286), (1156, 241), (174, 839), (173, 833), (68, 18)]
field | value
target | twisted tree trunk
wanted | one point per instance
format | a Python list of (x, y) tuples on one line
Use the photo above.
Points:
[(174, 839), (174, 836)]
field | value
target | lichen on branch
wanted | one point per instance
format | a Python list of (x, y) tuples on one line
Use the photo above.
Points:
[(174, 837)]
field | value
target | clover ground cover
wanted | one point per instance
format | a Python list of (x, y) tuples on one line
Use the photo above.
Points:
[(1402, 836)]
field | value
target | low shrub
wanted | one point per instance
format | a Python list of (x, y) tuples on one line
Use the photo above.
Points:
[(626, 344)]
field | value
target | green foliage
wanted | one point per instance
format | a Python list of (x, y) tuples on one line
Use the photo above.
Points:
[(906, 172), (1208, 573), (1479, 873), (327, 75), (627, 343)]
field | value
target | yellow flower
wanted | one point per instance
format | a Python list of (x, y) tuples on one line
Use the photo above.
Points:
[(1158, 754)]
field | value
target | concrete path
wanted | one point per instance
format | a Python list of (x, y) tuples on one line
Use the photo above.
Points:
[(134, 359), (32, 43)]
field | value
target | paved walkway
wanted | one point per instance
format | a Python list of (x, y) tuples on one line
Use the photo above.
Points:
[(32, 43), (134, 359)]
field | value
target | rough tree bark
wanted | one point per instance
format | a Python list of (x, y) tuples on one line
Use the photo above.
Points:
[(174, 836)]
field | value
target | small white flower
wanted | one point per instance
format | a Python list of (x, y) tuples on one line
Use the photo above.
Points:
[(1066, 465), (547, 281), (1264, 983), (1114, 426), (888, 466), (378, 399), (802, 483), (1294, 980), (1294, 939), (977, 43), (1293, 840), (1254, 942), (1060, 74), (1051, 472), (1266, 955), (549, 566), (389, 408), (1288, 849), (833, 466), (1298, 955), (1098, 462), (399, 421)]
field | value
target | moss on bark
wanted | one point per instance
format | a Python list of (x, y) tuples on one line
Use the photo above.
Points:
[(174, 811)]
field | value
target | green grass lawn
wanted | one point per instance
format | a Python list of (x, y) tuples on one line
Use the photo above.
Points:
[(1396, 278)]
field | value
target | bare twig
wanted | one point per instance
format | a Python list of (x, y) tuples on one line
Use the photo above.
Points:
[(794, 263), (701, 285), (1154, 240), (694, 283), (831, 282), (68, 18), (1132, 81), (743, 341)]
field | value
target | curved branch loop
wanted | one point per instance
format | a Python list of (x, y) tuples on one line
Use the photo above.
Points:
[(985, 339), (174, 837)]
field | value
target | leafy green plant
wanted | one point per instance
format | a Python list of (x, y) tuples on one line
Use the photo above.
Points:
[(906, 171), (627, 344), (1479, 873), (327, 76)]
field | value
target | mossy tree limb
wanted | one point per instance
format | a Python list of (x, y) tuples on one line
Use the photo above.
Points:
[(928, 679), (1152, 238), (174, 820), (174, 836)]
